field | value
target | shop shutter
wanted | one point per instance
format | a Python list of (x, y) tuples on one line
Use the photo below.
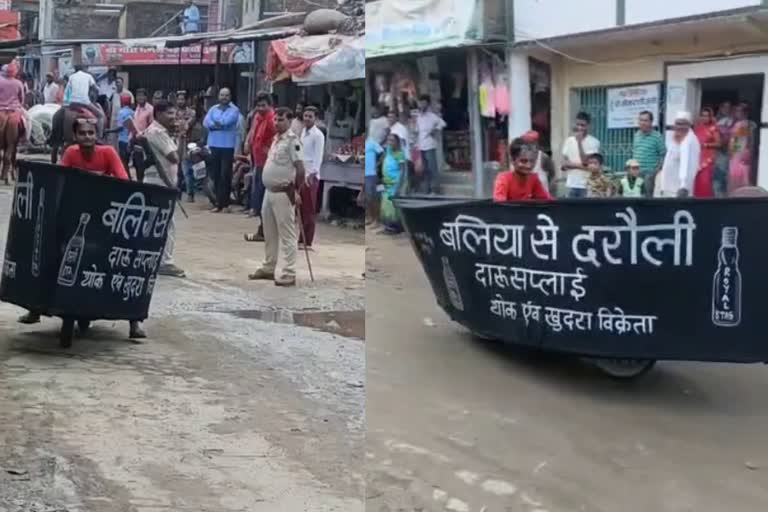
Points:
[(616, 144)]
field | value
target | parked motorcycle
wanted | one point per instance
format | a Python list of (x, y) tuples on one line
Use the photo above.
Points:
[(196, 160)]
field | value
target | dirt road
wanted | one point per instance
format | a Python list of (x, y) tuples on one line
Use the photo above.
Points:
[(230, 406), (468, 426)]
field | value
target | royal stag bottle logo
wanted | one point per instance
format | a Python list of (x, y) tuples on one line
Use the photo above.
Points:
[(73, 255), (454, 294), (726, 286)]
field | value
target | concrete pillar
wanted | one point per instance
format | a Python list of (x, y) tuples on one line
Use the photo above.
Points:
[(519, 93), (475, 123)]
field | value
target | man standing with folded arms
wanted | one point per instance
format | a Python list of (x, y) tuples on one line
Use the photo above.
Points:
[(283, 175), (221, 123)]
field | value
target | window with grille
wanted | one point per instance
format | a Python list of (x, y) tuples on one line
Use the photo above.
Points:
[(615, 144)]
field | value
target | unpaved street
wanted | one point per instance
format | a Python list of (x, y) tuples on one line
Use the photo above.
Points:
[(246, 397), (469, 426)]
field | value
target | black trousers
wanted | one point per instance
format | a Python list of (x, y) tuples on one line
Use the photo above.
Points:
[(221, 172), (139, 162)]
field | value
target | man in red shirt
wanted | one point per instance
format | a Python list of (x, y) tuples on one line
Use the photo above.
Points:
[(260, 139), (521, 183), (104, 160), (86, 155)]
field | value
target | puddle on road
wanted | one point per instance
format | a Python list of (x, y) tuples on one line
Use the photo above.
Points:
[(350, 324)]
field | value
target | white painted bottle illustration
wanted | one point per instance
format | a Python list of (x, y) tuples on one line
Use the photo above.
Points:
[(454, 294), (37, 247), (70, 263), (726, 287)]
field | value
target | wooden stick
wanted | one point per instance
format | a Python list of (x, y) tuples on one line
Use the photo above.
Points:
[(304, 237)]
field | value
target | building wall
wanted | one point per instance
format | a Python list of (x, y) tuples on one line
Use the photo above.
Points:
[(142, 19), (78, 19), (81, 22), (534, 19), (644, 11), (568, 75)]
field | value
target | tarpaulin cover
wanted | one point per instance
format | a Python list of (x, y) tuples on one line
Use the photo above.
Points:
[(636, 279), (346, 63), (9, 26), (296, 55)]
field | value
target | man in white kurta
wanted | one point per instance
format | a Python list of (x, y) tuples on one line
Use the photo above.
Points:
[(681, 161)]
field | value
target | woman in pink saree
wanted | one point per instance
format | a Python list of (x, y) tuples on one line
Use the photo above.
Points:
[(709, 138), (741, 148)]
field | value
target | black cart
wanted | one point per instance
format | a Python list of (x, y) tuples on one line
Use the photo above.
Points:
[(83, 247)]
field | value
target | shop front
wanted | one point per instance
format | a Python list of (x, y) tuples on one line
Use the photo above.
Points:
[(438, 49), (190, 68), (327, 72)]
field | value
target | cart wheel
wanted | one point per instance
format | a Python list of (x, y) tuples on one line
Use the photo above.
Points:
[(84, 326), (67, 333), (623, 368)]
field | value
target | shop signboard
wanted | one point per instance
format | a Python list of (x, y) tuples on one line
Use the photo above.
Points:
[(117, 54), (400, 26), (626, 103)]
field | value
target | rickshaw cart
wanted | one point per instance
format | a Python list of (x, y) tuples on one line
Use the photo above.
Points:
[(83, 247), (620, 282)]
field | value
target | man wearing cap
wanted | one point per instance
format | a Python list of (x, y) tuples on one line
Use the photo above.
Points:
[(648, 147), (632, 185), (682, 161), (51, 89)]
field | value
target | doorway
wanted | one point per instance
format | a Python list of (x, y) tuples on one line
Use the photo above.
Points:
[(691, 86), (734, 89)]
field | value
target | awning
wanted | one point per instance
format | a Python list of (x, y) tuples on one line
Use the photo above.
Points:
[(271, 28), (232, 36), (317, 59), (398, 27), (171, 42), (347, 62)]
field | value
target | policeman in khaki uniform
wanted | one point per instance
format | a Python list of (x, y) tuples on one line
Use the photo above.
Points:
[(283, 175)]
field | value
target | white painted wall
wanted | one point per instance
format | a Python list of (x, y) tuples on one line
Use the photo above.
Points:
[(538, 19), (615, 73), (644, 11)]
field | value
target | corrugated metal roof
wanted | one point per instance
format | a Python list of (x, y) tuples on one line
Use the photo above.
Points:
[(256, 35), (223, 37)]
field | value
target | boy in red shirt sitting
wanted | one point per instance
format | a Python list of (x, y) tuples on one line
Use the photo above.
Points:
[(86, 155), (521, 183)]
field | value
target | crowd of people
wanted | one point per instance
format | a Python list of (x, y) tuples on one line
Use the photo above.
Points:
[(268, 159), (401, 155), (712, 157)]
